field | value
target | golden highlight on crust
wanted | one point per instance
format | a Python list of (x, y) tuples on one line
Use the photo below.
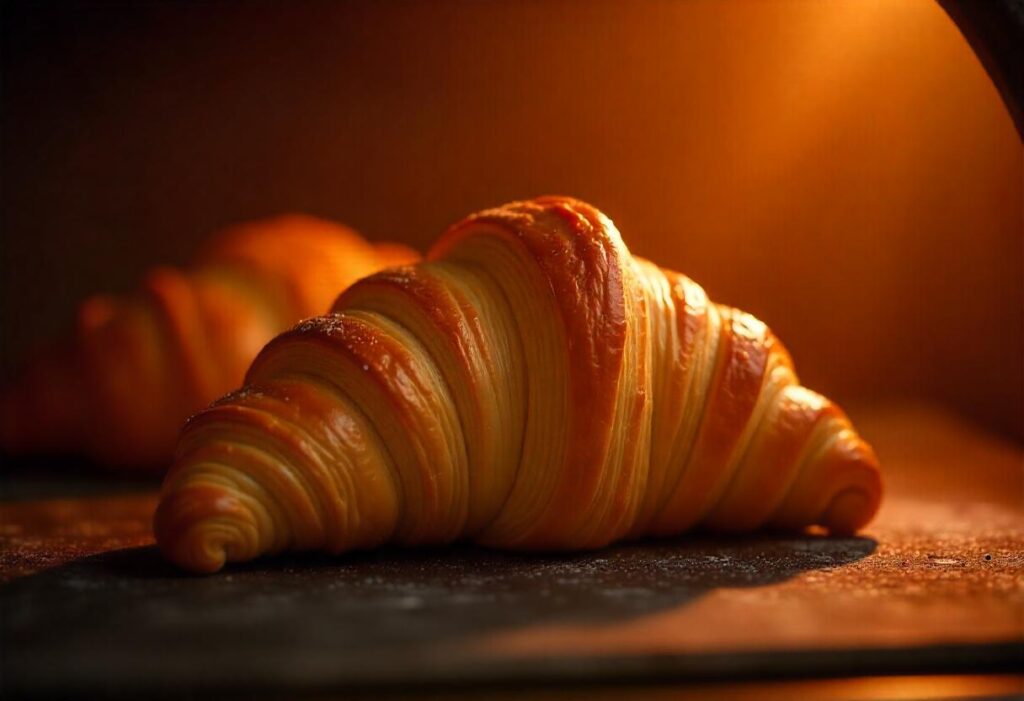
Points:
[(531, 385), (137, 366)]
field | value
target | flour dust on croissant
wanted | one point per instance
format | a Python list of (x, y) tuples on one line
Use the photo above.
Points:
[(138, 366), (532, 386)]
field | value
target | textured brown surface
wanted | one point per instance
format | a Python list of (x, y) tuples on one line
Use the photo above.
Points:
[(36, 535), (934, 585)]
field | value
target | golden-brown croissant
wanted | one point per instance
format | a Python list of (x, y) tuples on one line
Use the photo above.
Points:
[(533, 385), (137, 367)]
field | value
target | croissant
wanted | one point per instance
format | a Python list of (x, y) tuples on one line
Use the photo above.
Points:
[(136, 367), (531, 386)]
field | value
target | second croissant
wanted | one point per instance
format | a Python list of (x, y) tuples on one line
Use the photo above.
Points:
[(137, 366), (532, 385)]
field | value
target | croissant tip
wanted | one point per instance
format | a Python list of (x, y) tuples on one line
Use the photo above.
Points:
[(198, 528), (849, 511), (197, 553)]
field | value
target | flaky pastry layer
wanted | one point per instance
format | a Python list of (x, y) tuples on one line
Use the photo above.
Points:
[(532, 385)]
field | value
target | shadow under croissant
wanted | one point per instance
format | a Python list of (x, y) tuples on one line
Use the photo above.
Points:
[(302, 614)]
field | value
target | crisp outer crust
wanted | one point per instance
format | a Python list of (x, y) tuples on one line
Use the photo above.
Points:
[(531, 385)]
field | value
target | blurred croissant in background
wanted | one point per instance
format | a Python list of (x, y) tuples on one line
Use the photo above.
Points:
[(136, 367), (533, 386)]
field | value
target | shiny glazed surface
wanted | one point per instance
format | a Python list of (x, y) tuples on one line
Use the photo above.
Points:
[(531, 386)]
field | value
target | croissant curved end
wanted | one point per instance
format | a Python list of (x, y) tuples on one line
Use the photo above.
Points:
[(854, 506), (849, 511), (200, 528)]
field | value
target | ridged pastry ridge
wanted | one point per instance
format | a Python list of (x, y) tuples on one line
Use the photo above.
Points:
[(531, 385)]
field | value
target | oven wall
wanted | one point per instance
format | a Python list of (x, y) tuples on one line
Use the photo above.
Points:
[(845, 170)]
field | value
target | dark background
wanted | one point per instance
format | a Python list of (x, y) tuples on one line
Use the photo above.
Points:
[(844, 170)]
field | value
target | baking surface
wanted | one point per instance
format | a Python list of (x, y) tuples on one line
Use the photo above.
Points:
[(934, 585)]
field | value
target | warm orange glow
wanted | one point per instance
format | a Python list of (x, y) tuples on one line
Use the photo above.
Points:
[(845, 170)]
